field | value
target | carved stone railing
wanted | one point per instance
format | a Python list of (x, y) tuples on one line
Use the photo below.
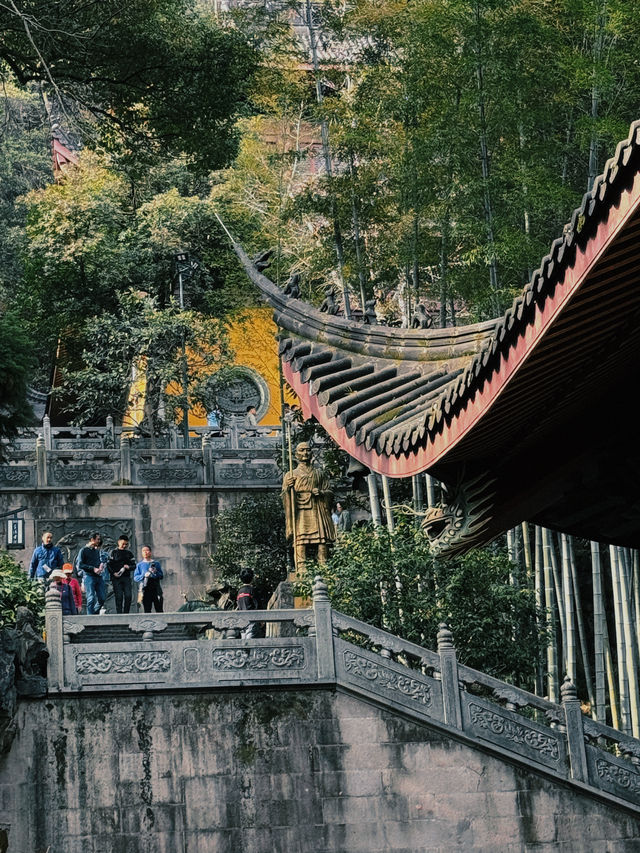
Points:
[(232, 437), (130, 464), (320, 646)]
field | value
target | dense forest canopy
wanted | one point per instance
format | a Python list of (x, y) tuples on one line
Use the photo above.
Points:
[(425, 151)]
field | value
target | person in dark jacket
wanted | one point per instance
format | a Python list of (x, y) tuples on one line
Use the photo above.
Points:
[(59, 580), (121, 566), (93, 572), (46, 558), (246, 600)]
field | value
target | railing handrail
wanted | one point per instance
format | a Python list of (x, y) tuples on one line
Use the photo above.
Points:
[(383, 638)]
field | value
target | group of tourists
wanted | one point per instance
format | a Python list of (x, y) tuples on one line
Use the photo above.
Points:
[(94, 568)]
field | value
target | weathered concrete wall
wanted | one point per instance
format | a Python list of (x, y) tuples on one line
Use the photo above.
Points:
[(289, 771), (177, 524)]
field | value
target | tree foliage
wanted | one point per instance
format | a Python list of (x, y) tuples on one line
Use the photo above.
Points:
[(152, 72), (393, 582), (16, 365), (99, 273), (251, 535), (461, 136), (16, 590)]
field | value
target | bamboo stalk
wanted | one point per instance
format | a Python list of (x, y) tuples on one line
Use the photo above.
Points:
[(553, 690), (569, 614), (635, 567), (386, 494), (418, 499), (557, 581), (374, 500), (623, 686), (631, 652), (431, 491), (539, 593), (511, 554), (526, 549), (582, 636), (511, 546), (599, 708), (611, 681)]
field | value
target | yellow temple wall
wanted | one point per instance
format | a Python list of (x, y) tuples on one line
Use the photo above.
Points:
[(252, 337)]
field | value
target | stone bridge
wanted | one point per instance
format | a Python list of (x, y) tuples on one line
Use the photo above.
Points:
[(169, 733)]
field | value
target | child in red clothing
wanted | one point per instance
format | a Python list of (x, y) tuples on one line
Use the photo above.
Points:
[(75, 586)]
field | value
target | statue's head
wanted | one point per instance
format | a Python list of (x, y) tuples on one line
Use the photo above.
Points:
[(303, 452)]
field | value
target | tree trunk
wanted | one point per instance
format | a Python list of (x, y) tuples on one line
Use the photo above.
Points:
[(484, 161), (324, 132), (596, 56), (623, 685), (569, 617), (584, 649)]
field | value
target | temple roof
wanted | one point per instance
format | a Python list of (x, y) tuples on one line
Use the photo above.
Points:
[(539, 390)]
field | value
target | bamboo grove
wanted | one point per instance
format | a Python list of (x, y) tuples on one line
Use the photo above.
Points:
[(428, 150), (588, 598)]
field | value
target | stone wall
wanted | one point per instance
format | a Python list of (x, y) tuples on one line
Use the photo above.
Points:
[(176, 523), (299, 771)]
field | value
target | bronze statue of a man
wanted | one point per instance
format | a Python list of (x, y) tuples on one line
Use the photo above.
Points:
[(307, 496)]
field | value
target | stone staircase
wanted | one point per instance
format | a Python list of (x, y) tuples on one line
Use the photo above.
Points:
[(319, 647)]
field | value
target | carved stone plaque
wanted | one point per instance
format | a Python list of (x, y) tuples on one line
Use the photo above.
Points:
[(14, 476), (500, 728), (102, 663), (279, 658), (381, 676)]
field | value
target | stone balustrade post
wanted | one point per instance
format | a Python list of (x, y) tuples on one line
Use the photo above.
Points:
[(125, 459), (207, 461), (575, 731), (46, 432), (449, 678), (173, 437), (55, 639), (323, 630), (110, 437), (41, 462)]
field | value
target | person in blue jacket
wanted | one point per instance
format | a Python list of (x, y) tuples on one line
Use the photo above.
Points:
[(148, 574), (46, 558)]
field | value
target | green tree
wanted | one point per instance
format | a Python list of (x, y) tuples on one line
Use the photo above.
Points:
[(87, 253), (25, 164), (151, 72), (140, 338), (392, 581), (16, 590), (251, 534)]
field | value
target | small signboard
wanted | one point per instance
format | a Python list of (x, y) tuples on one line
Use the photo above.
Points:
[(15, 532)]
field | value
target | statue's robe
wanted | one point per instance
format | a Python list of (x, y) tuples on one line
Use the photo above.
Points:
[(312, 513)]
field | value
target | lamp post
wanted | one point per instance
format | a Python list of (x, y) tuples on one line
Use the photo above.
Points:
[(183, 267)]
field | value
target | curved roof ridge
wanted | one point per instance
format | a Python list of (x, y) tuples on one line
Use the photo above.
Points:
[(377, 341)]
